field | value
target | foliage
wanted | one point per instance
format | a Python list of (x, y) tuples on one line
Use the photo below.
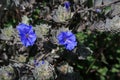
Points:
[(59, 40)]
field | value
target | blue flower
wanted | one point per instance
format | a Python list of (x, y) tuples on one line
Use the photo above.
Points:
[(67, 39), (98, 10), (67, 4), (27, 35), (38, 63)]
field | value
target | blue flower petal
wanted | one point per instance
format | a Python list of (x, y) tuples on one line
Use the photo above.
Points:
[(62, 42), (26, 34), (68, 33), (67, 39), (32, 39), (60, 36), (67, 4), (71, 46), (32, 36), (72, 38), (24, 41), (23, 28)]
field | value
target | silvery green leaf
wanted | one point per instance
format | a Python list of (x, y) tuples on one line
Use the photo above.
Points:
[(61, 14), (7, 33), (107, 25), (44, 71), (53, 39), (97, 2), (25, 19), (41, 30), (62, 29), (5, 71), (115, 9), (3, 37), (105, 2), (20, 58), (113, 25), (100, 26)]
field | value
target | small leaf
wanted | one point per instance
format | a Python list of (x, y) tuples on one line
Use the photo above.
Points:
[(25, 19), (114, 70), (102, 78), (107, 9), (79, 66), (103, 59), (118, 51), (103, 71)]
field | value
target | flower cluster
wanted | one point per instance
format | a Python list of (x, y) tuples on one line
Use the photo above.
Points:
[(67, 39), (38, 63), (43, 70), (7, 73), (26, 33), (28, 37), (62, 13)]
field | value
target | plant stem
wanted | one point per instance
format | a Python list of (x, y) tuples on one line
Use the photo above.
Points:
[(90, 66)]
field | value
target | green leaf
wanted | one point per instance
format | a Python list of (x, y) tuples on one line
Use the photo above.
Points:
[(102, 78), (103, 59), (81, 37), (95, 67), (103, 71), (114, 70), (90, 58), (107, 9), (90, 3), (79, 66), (118, 51)]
